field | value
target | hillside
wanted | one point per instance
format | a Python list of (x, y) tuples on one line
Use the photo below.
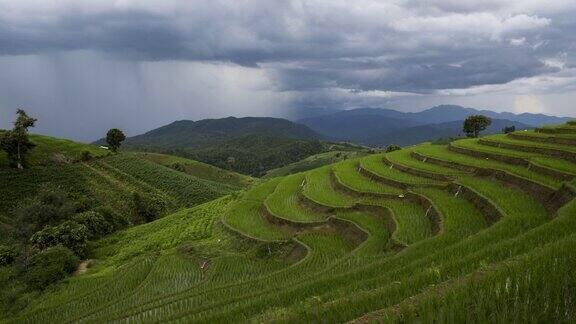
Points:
[(55, 151), (479, 230), (91, 197), (250, 145), (56, 164), (204, 133), (198, 169), (336, 154), (369, 125)]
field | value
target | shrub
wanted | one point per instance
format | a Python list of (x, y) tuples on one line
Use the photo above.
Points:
[(49, 208), (85, 156), (509, 129), (7, 255), (392, 148), (95, 223), (178, 167), (69, 234), (145, 209), (49, 266), (113, 218)]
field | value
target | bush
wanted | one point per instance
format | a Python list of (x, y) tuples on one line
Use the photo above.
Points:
[(509, 129), (392, 148), (7, 254), (178, 167), (86, 156), (95, 223), (49, 266), (69, 234), (145, 209), (49, 208), (113, 218)]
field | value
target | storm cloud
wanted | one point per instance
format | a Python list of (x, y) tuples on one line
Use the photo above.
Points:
[(139, 64)]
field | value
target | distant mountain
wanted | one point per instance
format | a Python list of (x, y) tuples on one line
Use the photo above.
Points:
[(198, 134), (363, 125), (250, 145), (359, 124), (430, 132), (447, 113)]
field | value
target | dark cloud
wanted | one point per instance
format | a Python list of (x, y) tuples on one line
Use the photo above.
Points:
[(309, 52)]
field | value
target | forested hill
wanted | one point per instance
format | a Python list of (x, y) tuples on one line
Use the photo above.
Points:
[(250, 145), (206, 132)]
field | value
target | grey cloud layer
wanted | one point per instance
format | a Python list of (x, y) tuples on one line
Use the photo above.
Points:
[(83, 66), (416, 46)]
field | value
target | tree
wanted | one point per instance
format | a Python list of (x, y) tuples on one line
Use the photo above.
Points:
[(473, 125), (69, 234), (96, 224), (145, 209), (114, 138), (392, 148), (49, 266), (49, 208), (15, 142), (509, 129)]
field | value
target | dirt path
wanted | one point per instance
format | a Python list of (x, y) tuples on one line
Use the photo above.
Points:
[(82, 267)]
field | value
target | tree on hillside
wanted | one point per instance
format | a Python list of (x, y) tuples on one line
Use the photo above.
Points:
[(473, 125), (392, 148), (114, 138), (15, 142), (509, 129)]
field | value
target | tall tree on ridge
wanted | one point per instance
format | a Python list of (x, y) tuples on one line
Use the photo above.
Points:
[(473, 125), (15, 142), (114, 138)]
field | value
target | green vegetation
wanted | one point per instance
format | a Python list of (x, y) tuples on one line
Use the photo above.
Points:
[(245, 214), (251, 145), (284, 202), (15, 142), (392, 148), (114, 138), (347, 174), (50, 151), (413, 235), (536, 158), (318, 187), (444, 154), (473, 125), (313, 162), (375, 165), (502, 138), (199, 169)]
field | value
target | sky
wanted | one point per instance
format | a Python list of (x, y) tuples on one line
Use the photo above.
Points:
[(82, 67)]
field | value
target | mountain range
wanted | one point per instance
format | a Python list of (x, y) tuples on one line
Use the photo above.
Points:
[(253, 145), (380, 127)]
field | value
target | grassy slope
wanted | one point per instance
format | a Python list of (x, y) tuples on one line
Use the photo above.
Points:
[(109, 180), (312, 162), (49, 149), (199, 169)]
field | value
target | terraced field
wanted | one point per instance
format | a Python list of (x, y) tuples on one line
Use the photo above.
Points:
[(480, 230), (109, 180)]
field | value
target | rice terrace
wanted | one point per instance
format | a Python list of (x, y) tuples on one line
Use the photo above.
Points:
[(288, 161), (474, 230)]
